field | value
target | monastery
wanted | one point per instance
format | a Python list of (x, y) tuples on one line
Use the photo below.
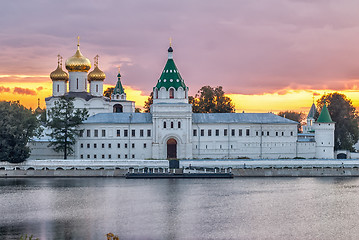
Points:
[(170, 130)]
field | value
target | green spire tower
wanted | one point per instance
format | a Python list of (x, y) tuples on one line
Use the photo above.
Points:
[(118, 91)]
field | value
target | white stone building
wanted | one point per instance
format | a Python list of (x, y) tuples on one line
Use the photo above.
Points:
[(171, 130)]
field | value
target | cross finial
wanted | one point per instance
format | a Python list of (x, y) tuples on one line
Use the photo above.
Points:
[(170, 42), (96, 60), (78, 41), (59, 60), (119, 68)]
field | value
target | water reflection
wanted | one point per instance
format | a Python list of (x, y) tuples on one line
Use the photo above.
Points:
[(240, 208)]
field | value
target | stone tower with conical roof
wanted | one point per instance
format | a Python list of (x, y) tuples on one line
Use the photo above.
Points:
[(171, 114), (309, 128), (324, 134)]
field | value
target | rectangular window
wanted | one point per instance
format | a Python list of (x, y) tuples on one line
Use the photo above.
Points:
[(148, 132), (225, 132), (171, 124), (144, 145), (118, 133), (217, 132), (179, 124), (257, 133), (118, 145), (125, 133), (103, 133), (133, 145), (133, 155), (81, 133), (141, 132), (95, 156), (195, 132), (233, 132), (109, 156), (118, 156), (276, 133), (240, 132), (103, 145), (81, 156), (103, 156), (96, 133), (202, 132), (81, 145), (209, 132), (125, 155), (88, 133), (282, 133), (291, 133), (88, 145), (133, 133), (95, 145), (247, 132), (88, 155), (262, 133), (164, 125), (267, 133), (125, 145), (109, 145)]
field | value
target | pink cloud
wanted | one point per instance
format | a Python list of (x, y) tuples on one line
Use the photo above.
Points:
[(4, 89), (24, 91)]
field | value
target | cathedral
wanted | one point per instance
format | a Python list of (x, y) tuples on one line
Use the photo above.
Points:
[(170, 130)]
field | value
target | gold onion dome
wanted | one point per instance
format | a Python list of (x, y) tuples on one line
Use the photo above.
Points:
[(96, 74), (78, 63), (59, 74)]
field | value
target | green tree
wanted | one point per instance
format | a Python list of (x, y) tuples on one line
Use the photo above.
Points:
[(148, 103), (137, 110), (345, 116), (295, 116), (108, 92), (64, 120), (211, 100), (17, 126)]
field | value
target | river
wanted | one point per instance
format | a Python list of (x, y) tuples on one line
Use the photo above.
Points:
[(239, 208)]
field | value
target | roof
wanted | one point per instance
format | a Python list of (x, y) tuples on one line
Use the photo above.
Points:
[(120, 118), (324, 116), (170, 76), (312, 111), (84, 95), (261, 118), (118, 88)]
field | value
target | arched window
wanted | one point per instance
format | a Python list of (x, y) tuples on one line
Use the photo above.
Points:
[(58, 88), (156, 93), (96, 88), (164, 125), (171, 124), (172, 93), (179, 124), (117, 108), (77, 83)]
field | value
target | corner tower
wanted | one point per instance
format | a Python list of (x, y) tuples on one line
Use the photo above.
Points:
[(171, 115), (324, 135)]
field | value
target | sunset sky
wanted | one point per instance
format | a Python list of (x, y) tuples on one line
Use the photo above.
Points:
[(268, 55)]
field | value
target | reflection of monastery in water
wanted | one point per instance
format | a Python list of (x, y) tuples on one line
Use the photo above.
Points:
[(171, 130)]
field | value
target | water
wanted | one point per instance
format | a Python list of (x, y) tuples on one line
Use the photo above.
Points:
[(240, 208)]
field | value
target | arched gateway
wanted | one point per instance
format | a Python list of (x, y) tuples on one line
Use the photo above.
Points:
[(171, 148)]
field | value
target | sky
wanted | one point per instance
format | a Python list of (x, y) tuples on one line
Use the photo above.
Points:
[(269, 56)]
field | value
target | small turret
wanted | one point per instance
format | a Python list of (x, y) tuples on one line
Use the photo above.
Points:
[(118, 91)]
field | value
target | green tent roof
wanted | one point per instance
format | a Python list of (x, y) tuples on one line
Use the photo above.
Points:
[(170, 76), (324, 116), (118, 88)]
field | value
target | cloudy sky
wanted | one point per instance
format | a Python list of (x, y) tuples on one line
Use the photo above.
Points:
[(268, 55)]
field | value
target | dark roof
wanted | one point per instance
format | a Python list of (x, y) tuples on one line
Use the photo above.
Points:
[(120, 118), (84, 95), (261, 118), (312, 111)]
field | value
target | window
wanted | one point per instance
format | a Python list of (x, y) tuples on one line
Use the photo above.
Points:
[(247, 132), (118, 145), (179, 125), (118, 156), (88, 155), (77, 83), (209, 132), (125, 155), (262, 133), (125, 133), (88, 133), (164, 125), (141, 133), (240, 132), (81, 145), (256, 133), (103, 156), (276, 133), (133, 145), (81, 156), (58, 88), (282, 133), (148, 132), (195, 132), (133, 133), (103, 145), (217, 132), (96, 88), (109, 145), (81, 133), (96, 133), (95, 145), (233, 132), (291, 133), (95, 156), (202, 132), (172, 93), (156, 93), (103, 133), (109, 156), (88, 145), (267, 133), (225, 132), (118, 133), (144, 145), (125, 145), (133, 155), (171, 124)]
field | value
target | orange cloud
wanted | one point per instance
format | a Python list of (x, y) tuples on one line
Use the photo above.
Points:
[(39, 88), (4, 89), (24, 91)]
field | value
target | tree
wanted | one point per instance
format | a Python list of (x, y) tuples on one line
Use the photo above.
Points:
[(108, 92), (17, 126), (211, 100), (345, 116), (64, 120), (137, 110), (148, 103), (295, 116)]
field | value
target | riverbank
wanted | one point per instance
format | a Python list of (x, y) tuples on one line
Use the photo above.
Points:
[(237, 167)]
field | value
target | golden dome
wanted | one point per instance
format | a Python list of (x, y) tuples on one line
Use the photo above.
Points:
[(96, 74), (59, 74), (78, 63)]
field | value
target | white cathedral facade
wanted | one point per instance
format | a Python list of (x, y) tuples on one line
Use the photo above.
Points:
[(171, 131)]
